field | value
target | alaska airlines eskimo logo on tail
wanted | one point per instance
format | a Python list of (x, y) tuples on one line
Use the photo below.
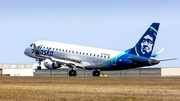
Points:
[(41, 51), (148, 40), (145, 45)]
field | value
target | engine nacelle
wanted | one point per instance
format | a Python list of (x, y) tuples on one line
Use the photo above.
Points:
[(51, 65)]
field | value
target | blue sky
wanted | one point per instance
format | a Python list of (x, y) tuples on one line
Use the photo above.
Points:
[(109, 24)]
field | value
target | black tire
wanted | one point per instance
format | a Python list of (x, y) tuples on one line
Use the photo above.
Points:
[(54, 68), (72, 73), (38, 67), (96, 73)]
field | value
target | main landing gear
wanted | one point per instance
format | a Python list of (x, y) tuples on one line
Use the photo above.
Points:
[(96, 73), (72, 72)]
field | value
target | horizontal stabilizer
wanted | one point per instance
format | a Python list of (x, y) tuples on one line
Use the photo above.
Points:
[(167, 59)]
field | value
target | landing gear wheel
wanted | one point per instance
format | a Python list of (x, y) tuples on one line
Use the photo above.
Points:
[(96, 73), (38, 67), (72, 73)]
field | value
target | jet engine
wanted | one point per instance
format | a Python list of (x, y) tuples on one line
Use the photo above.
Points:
[(51, 65)]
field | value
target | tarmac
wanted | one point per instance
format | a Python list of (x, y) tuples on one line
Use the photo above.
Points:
[(139, 72)]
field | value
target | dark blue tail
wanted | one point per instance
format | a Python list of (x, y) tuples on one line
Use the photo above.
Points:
[(145, 45)]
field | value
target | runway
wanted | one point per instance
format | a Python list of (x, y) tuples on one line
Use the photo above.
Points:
[(89, 89)]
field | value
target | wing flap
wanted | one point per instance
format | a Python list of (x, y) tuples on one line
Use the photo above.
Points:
[(66, 62)]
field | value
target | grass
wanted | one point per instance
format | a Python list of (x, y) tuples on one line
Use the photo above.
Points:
[(89, 89)]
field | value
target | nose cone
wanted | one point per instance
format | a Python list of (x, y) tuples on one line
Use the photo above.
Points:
[(28, 51)]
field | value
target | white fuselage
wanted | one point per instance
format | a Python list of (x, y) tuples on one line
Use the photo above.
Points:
[(56, 54), (88, 56)]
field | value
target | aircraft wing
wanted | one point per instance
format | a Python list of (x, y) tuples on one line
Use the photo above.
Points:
[(137, 59), (67, 62), (150, 60)]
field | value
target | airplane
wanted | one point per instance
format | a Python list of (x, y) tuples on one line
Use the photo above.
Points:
[(54, 55)]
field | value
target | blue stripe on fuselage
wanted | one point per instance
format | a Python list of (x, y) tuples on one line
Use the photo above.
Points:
[(122, 61)]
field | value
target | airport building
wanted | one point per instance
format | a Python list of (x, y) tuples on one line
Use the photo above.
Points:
[(30, 70)]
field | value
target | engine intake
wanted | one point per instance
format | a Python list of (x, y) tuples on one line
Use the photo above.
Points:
[(51, 65)]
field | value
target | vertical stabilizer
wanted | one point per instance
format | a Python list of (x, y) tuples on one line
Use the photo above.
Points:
[(145, 45)]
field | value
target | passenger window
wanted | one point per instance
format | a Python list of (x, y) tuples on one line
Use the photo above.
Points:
[(77, 52), (72, 51), (69, 51), (59, 49), (66, 50), (83, 53), (94, 54), (86, 53), (90, 54), (56, 49), (97, 55), (104, 56)]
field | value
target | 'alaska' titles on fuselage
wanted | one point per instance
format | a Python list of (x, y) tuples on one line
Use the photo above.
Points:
[(46, 52)]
